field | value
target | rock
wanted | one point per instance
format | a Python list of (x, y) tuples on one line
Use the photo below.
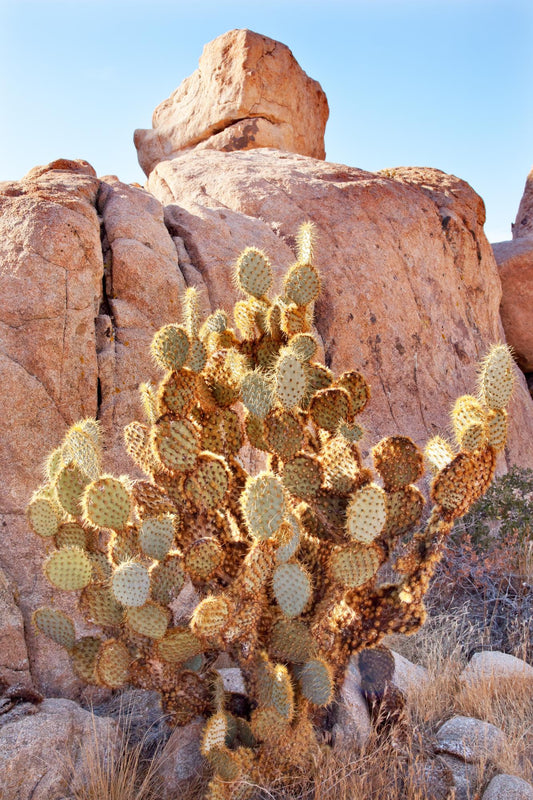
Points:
[(431, 779), (465, 776), (523, 225), (508, 787), (181, 759), (491, 665), (352, 725), (406, 267), (139, 715), (248, 91), (50, 754), (408, 677), (515, 264), (233, 680), (14, 663), (470, 739)]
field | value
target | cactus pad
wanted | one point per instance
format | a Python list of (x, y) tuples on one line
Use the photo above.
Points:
[(438, 454), (113, 664), (329, 407), (178, 645), (170, 347), (316, 681), (56, 626), (303, 346), (83, 657), (167, 579), (253, 272), (43, 515), (366, 513), (292, 588), (70, 534), (291, 641), (176, 393), (149, 620), (203, 558), (209, 482), (353, 565), (257, 394), (176, 444), (69, 568), (287, 539), (497, 428), (399, 462), (497, 377), (210, 616), (263, 505), (302, 284), (283, 434), (107, 503), (100, 605), (69, 485), (156, 536), (357, 388), (131, 584), (291, 380), (302, 476)]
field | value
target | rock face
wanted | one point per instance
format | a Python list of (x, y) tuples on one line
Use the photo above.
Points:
[(91, 268), (515, 263), (14, 662), (248, 91), (523, 224), (49, 755)]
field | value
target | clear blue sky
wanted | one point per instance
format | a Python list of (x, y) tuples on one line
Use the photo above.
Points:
[(444, 84)]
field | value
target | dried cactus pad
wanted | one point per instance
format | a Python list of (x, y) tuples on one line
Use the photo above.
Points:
[(106, 503), (399, 462)]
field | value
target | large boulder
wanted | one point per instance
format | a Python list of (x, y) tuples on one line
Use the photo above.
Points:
[(248, 91), (523, 224)]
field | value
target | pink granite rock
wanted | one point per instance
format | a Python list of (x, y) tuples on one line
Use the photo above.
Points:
[(515, 263), (248, 91), (523, 225)]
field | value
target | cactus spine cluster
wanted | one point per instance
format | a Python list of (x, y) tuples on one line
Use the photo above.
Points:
[(286, 562)]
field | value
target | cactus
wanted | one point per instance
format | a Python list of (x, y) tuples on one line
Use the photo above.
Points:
[(286, 561)]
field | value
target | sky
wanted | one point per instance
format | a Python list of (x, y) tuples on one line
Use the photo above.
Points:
[(445, 84)]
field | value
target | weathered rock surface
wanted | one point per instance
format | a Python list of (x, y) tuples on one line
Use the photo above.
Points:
[(408, 677), (515, 264), (181, 759), (491, 665), (523, 224), (410, 288), (470, 739), (48, 755), (507, 787), (465, 776), (352, 722), (14, 662), (248, 91)]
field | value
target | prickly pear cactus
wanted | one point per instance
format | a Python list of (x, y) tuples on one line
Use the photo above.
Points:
[(286, 562)]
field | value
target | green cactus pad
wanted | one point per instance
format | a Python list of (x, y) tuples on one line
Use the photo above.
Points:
[(107, 503), (399, 462), (170, 347), (176, 393), (366, 513), (306, 240), (222, 432), (302, 476), (497, 377), (303, 346), (473, 437), (100, 606), (56, 626), (80, 446), (256, 569), (290, 380), (316, 681), (131, 584), (176, 444), (330, 407), (468, 417), (44, 515), (113, 664), (197, 356), (257, 394), (69, 486), (209, 483), (282, 692), (156, 536), (167, 578), (351, 432), (287, 539), (497, 428), (283, 434), (53, 464), (178, 645), (291, 641), (302, 284), (69, 568), (296, 319), (438, 454), (291, 585), (148, 401), (203, 558), (264, 505), (210, 616), (353, 565), (255, 431), (191, 310), (267, 353), (253, 272), (83, 657), (70, 534), (357, 388), (149, 620)]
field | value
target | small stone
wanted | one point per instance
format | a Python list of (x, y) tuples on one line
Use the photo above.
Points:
[(465, 776), (233, 680), (507, 787), (181, 759), (470, 739)]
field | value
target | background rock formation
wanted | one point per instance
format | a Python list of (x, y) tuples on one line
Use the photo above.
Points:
[(90, 268)]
